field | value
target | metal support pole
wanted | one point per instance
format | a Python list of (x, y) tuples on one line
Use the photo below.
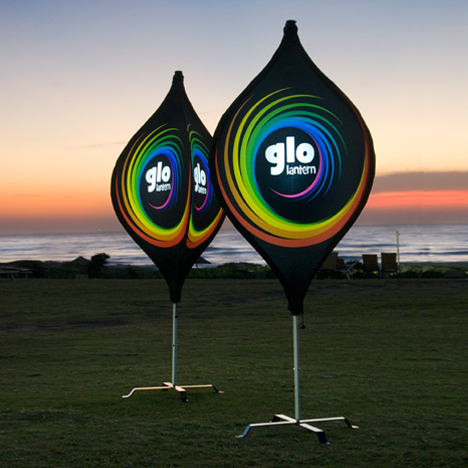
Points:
[(174, 343), (297, 370)]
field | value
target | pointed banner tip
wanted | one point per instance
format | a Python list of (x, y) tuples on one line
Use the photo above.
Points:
[(290, 27), (178, 76)]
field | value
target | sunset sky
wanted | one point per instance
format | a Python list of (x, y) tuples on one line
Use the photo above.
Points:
[(78, 79)]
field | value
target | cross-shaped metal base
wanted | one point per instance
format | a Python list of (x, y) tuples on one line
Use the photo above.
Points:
[(178, 388), (283, 420)]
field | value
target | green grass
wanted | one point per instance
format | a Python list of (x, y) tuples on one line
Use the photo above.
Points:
[(388, 354)]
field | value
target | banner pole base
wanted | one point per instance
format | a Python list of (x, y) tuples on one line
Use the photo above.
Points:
[(283, 420), (178, 388)]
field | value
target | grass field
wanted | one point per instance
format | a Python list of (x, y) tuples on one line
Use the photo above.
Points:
[(391, 355)]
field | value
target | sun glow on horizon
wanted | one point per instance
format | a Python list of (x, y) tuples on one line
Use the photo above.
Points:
[(98, 204), (47, 205)]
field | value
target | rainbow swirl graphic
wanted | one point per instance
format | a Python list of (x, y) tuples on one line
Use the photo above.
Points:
[(200, 153), (160, 142), (243, 137)]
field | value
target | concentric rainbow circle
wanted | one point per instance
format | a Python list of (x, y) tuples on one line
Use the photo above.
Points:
[(158, 142), (200, 152), (250, 126)]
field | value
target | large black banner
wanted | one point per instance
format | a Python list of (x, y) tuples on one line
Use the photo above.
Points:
[(294, 165), (161, 188)]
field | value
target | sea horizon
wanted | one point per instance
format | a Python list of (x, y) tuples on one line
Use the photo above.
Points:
[(414, 244)]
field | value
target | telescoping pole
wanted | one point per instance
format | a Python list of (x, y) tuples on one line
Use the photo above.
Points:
[(297, 389), (174, 343)]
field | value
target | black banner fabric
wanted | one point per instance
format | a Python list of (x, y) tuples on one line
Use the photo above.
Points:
[(161, 188), (293, 164)]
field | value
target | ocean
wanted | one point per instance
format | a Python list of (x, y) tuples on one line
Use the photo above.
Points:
[(417, 244)]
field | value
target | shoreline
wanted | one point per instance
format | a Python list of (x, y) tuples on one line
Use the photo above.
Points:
[(204, 264), (82, 268)]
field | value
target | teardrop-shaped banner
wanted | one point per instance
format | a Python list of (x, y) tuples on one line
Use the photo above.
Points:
[(294, 165), (161, 188)]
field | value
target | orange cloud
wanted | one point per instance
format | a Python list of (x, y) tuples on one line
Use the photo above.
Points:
[(454, 199)]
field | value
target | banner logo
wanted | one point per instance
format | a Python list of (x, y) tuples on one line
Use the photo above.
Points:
[(304, 153), (156, 188), (289, 167), (202, 186), (199, 175), (156, 175)]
